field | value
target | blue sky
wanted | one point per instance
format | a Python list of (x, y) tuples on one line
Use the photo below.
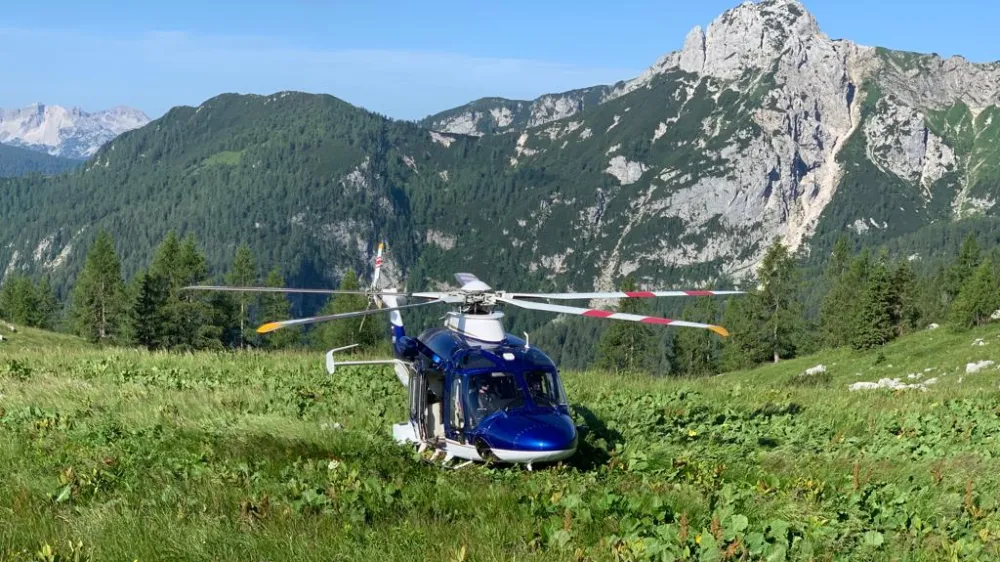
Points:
[(402, 58)]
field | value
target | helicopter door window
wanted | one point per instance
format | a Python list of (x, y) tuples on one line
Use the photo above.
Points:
[(457, 411), (434, 390)]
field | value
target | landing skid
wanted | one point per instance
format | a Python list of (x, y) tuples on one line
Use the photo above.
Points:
[(438, 452)]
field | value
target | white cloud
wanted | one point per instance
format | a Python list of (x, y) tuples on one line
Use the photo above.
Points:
[(156, 70)]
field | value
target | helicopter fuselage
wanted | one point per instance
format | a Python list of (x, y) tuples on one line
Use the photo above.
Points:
[(499, 400)]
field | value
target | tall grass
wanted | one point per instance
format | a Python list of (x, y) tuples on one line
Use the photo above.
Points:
[(126, 454)]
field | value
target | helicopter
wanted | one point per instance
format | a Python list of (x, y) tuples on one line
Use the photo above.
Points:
[(475, 392)]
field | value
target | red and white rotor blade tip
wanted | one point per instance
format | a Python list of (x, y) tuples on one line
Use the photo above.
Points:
[(622, 295), (594, 313)]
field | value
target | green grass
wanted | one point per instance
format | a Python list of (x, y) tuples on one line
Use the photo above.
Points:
[(225, 158), (30, 338), (246, 456)]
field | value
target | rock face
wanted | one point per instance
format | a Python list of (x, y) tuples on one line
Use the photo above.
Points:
[(784, 133), (759, 127), (71, 133), (499, 115)]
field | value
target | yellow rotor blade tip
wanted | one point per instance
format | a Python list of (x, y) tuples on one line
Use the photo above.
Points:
[(269, 327), (720, 330)]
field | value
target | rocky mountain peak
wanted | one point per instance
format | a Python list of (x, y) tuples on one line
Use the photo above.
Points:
[(749, 36), (69, 132)]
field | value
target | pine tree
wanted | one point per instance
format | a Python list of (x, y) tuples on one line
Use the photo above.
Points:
[(48, 305), (780, 309), (168, 317), (978, 299), (19, 301), (166, 260), (627, 346), (874, 325), (932, 301), (696, 352), (243, 274), (835, 313), (275, 306), (99, 305), (903, 296), (160, 312), (347, 331), (202, 319), (148, 324), (969, 258), (745, 347)]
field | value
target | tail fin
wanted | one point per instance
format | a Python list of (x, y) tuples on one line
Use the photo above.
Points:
[(378, 266), (395, 318)]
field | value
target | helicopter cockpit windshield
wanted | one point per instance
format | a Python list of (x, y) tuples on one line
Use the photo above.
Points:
[(492, 392), (545, 388)]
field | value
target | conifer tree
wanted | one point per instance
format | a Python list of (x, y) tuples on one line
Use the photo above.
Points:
[(903, 296), (978, 299), (745, 346), (835, 313), (48, 305), (148, 310), (874, 325), (347, 331), (275, 306), (166, 260), (696, 352), (627, 346), (19, 301), (780, 310), (99, 305), (167, 317), (969, 258), (202, 318), (159, 312), (243, 274)]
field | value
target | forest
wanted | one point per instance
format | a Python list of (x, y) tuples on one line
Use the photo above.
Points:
[(862, 300)]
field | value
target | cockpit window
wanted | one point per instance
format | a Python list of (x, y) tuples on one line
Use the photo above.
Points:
[(544, 388), (492, 392)]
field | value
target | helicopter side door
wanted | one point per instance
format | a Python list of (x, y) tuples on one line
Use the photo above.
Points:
[(455, 409), (417, 388)]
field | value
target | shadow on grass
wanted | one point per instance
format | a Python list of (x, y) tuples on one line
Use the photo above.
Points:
[(596, 441)]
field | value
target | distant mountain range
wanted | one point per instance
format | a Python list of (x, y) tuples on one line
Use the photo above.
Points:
[(69, 133), (760, 127)]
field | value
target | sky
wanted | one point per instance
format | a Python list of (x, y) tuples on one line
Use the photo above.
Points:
[(401, 58)]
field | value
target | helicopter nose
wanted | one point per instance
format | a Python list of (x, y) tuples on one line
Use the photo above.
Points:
[(535, 432)]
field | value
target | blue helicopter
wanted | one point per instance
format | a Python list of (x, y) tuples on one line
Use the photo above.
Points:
[(475, 392)]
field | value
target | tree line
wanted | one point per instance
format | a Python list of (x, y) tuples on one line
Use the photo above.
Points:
[(154, 310), (869, 300)]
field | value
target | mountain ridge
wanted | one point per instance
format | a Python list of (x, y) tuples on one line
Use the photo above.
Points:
[(761, 126)]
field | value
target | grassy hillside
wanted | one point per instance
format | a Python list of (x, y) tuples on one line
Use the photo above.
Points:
[(132, 455), (25, 339)]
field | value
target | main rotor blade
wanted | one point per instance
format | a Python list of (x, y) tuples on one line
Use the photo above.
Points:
[(594, 313), (620, 295), (305, 291), (272, 326)]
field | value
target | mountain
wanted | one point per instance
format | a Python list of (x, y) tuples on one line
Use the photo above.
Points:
[(70, 133), (499, 115), (16, 161), (761, 126)]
